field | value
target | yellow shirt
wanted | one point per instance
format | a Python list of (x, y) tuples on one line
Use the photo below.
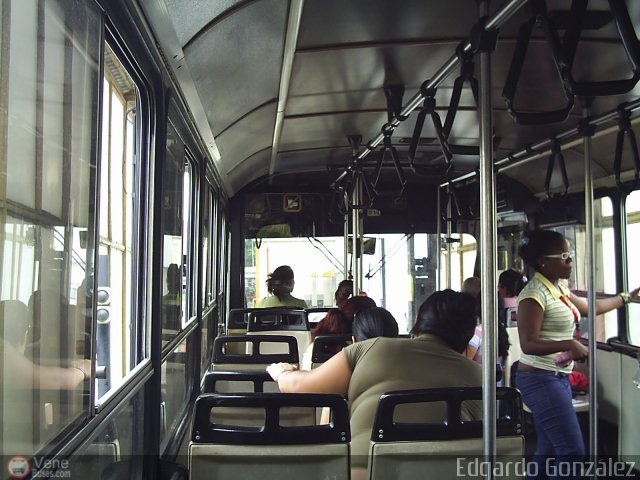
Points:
[(559, 319)]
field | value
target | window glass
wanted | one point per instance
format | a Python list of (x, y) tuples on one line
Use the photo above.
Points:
[(117, 249), (188, 258), (174, 395), (115, 447), (49, 103), (206, 244), (633, 260), (462, 261), (605, 269), (399, 271), (173, 299), (212, 271)]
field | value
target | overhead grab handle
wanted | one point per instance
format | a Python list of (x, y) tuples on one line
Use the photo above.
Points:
[(624, 129), (466, 75), (388, 147), (550, 32), (429, 108), (556, 154), (367, 193), (629, 42), (394, 95), (354, 174), (452, 201)]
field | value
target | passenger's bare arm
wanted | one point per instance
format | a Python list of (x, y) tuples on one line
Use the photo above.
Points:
[(332, 376), (603, 305)]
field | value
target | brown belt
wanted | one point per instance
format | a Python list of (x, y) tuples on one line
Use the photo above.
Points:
[(528, 368)]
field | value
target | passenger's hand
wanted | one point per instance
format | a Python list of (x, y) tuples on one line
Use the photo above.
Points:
[(635, 294), (84, 366), (277, 369), (578, 351)]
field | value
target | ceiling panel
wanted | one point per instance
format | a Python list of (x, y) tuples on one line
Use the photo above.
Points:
[(234, 81), (190, 17), (254, 133)]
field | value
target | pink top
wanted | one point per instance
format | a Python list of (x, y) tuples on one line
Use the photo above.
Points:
[(510, 302)]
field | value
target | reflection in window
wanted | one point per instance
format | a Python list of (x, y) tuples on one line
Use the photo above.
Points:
[(178, 195), (51, 77), (175, 384), (115, 447)]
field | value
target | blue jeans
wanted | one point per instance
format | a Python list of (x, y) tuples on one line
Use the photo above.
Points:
[(548, 395)]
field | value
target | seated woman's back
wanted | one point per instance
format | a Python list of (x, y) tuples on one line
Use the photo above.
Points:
[(382, 365), (432, 359)]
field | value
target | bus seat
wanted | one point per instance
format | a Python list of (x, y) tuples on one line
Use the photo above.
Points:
[(280, 321), (252, 382), (315, 314), (269, 450), (326, 346), (237, 320), (431, 450), (254, 354)]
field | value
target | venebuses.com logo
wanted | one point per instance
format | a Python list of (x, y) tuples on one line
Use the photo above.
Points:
[(18, 467)]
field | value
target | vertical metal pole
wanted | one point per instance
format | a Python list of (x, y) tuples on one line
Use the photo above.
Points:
[(487, 258), (346, 246), (356, 198), (590, 257), (438, 239), (449, 233)]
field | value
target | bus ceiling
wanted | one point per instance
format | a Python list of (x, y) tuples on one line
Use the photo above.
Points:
[(278, 95)]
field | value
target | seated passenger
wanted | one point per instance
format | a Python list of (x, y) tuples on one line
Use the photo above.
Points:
[(343, 292), (280, 285), (351, 307), (334, 323), (471, 286), (374, 322), (17, 369), (474, 351), (363, 371), (510, 283)]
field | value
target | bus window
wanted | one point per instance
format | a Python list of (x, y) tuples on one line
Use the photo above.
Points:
[(51, 73), (117, 231), (462, 261), (178, 193), (399, 274), (633, 260), (607, 324)]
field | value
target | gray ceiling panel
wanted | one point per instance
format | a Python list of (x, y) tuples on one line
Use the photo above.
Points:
[(251, 169), (356, 21), (189, 21), (367, 68), (254, 133), (346, 51), (235, 81)]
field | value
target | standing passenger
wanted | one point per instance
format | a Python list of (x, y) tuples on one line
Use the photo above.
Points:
[(280, 285), (364, 371), (548, 313)]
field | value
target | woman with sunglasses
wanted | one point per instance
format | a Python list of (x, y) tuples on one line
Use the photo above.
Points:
[(548, 316)]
